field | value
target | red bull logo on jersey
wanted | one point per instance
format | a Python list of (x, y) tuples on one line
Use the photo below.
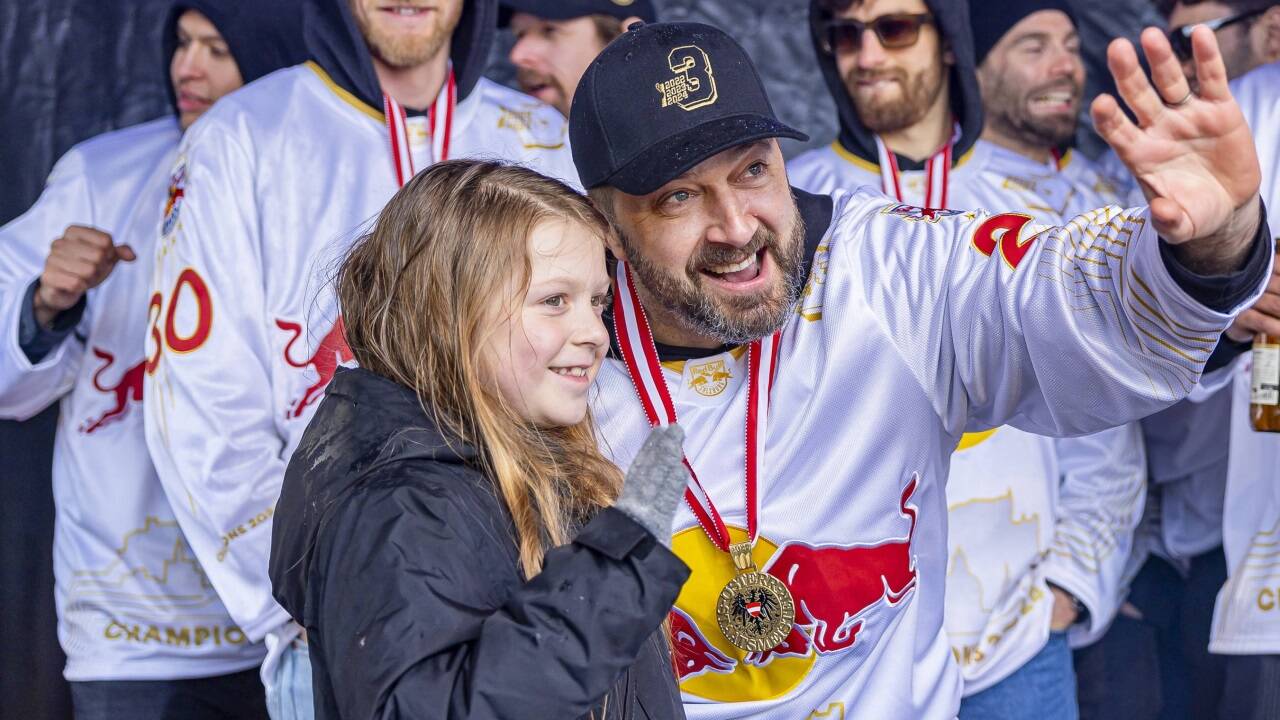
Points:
[(124, 392), (841, 594), (331, 352)]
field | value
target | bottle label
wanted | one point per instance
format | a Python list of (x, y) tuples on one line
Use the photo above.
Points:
[(1266, 375)]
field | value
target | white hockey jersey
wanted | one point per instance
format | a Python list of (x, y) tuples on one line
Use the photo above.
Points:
[(271, 185), (1026, 510), (133, 601), (914, 326), (1247, 615)]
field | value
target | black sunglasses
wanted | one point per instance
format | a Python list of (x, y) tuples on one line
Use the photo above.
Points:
[(895, 31), (1180, 37)]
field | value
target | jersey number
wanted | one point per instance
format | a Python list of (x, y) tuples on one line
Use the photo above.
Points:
[(1004, 231), (172, 338)]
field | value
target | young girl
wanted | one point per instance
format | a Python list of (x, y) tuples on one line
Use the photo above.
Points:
[(448, 532)]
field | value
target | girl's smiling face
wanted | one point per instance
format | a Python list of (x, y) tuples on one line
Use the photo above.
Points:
[(546, 350)]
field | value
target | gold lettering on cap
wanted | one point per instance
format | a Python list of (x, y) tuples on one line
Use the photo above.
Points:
[(694, 85)]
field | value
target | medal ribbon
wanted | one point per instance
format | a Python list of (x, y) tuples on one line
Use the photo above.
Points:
[(640, 355), (937, 174), (439, 121)]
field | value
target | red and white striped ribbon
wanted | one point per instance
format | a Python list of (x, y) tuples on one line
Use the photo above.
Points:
[(439, 122), (937, 174), (640, 355)]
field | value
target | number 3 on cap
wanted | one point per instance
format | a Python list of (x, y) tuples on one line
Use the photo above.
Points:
[(1004, 231), (694, 84)]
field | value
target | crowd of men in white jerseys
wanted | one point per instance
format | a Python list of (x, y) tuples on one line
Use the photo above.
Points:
[(1130, 573)]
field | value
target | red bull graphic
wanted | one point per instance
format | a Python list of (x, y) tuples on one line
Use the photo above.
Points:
[(832, 585), (694, 655), (331, 352), (835, 588), (126, 390)]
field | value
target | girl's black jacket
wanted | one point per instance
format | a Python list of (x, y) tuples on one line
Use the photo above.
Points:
[(399, 559)]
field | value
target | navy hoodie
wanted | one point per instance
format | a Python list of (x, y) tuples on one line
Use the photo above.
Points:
[(334, 41), (952, 17), (263, 36)]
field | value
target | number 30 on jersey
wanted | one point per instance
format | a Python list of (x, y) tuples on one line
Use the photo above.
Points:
[(185, 324)]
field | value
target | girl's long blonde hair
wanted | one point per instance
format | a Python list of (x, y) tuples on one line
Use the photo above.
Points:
[(420, 293)]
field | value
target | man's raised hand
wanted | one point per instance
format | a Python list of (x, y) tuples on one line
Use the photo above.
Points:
[(1191, 152), (79, 260)]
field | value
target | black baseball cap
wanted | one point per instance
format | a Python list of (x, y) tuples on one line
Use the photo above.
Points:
[(662, 98), (569, 9)]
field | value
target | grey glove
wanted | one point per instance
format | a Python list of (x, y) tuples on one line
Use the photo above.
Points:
[(655, 482)]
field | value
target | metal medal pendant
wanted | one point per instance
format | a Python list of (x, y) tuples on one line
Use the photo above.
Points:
[(755, 611)]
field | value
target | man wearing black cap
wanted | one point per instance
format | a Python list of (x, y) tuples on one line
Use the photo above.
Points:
[(145, 634), (826, 353), (557, 39)]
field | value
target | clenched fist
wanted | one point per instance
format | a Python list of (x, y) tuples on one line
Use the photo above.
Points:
[(81, 259)]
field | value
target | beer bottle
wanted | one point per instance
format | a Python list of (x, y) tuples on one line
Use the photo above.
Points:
[(1264, 398)]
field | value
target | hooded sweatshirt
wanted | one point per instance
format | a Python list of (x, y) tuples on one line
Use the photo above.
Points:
[(273, 185), (853, 159), (133, 601)]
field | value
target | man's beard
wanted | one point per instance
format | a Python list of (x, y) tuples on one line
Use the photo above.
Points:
[(404, 51), (1008, 113), (735, 320), (918, 93)]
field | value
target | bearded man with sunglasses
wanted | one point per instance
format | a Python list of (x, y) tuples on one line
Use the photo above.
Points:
[(902, 75)]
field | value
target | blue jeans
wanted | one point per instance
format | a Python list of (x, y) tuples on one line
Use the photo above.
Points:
[(226, 697), (289, 697), (1160, 667), (1042, 689)]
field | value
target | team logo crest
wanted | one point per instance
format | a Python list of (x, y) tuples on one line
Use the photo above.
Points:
[(710, 379), (177, 189), (919, 214), (694, 85)]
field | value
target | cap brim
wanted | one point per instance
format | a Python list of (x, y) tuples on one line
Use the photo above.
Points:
[(507, 8), (663, 162)]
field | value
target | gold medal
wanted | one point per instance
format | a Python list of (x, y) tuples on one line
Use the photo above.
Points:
[(755, 611)]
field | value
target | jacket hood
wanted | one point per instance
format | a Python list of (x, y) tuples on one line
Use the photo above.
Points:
[(263, 36), (952, 17), (364, 423), (334, 41)]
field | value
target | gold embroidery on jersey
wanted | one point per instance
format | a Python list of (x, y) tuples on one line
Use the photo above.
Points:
[(710, 378), (523, 123), (810, 305), (835, 711)]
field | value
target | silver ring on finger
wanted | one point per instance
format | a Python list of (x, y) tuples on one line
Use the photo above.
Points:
[(1185, 99)]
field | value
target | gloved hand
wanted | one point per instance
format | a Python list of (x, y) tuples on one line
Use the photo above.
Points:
[(655, 482)]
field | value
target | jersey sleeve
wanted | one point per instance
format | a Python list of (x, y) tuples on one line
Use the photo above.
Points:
[(209, 414), (1100, 500), (1056, 331), (26, 388)]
